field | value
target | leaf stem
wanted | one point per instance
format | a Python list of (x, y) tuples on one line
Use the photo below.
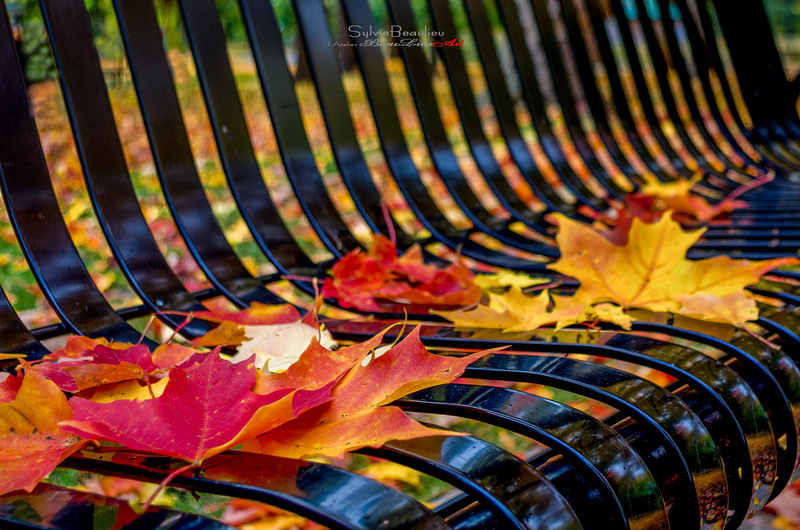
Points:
[(389, 223), (146, 329), (768, 177), (182, 325), (164, 483)]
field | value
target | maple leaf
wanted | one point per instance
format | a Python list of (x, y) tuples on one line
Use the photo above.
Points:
[(9, 386), (31, 443), (504, 311), (651, 271), (226, 334), (78, 347), (678, 197), (201, 412), (359, 279), (356, 416), (517, 311), (620, 219), (74, 369), (318, 366), (277, 337), (655, 198)]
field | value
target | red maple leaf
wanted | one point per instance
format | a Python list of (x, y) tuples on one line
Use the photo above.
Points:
[(201, 412), (359, 279)]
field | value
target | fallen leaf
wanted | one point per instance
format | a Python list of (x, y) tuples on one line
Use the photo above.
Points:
[(201, 412), (169, 355), (31, 443), (226, 334), (319, 366), (356, 417), (79, 370), (9, 386), (612, 313), (133, 390), (78, 346), (360, 279), (651, 271), (678, 197), (316, 433), (738, 307)]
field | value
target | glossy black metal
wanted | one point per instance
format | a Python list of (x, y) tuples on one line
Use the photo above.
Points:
[(105, 169), (664, 425), (719, 396), (34, 210), (328, 495), (589, 443), (489, 472), (55, 507)]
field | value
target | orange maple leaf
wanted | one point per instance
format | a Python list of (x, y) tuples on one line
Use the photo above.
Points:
[(74, 369), (31, 444), (356, 416)]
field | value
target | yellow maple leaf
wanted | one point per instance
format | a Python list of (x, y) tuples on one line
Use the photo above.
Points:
[(611, 313), (505, 311), (129, 390), (516, 311), (651, 271)]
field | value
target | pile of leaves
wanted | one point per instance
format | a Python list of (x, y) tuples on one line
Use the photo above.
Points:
[(649, 271), (361, 280), (190, 403)]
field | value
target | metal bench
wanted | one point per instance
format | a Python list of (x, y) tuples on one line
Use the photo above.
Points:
[(709, 450)]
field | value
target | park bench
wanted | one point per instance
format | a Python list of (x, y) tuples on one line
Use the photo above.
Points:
[(709, 450)]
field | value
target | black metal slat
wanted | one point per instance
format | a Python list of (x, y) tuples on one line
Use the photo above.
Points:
[(172, 154), (588, 442), (34, 212), (325, 494), (105, 169)]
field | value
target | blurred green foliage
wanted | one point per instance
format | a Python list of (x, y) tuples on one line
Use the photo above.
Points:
[(784, 15)]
